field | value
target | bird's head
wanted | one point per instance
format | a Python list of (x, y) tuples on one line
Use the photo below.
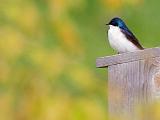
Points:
[(117, 22)]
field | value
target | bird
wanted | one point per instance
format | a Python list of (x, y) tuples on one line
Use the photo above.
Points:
[(121, 38)]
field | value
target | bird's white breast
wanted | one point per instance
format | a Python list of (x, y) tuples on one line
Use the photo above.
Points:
[(118, 41)]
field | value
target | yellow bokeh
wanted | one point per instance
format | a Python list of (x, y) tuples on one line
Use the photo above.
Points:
[(48, 50)]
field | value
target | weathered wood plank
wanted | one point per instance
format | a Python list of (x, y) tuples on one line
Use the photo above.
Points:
[(132, 84), (128, 57)]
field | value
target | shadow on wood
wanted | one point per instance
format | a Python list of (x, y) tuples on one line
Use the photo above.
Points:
[(133, 80)]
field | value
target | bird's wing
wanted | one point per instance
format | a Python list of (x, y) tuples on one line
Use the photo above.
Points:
[(130, 36)]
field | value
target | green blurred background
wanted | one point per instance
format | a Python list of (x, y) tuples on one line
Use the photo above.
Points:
[(48, 50)]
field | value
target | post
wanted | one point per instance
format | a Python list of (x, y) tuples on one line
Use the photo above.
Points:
[(133, 79)]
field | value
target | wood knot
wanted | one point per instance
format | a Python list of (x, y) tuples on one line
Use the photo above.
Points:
[(156, 62), (156, 84), (157, 80)]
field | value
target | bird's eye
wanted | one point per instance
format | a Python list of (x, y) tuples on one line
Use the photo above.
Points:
[(116, 24)]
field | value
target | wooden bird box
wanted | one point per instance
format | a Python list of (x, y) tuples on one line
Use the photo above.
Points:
[(133, 80)]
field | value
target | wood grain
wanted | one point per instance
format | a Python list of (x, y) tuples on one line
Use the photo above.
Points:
[(132, 84), (133, 80), (127, 57)]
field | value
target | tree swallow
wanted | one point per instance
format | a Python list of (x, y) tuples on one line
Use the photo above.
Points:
[(121, 38)]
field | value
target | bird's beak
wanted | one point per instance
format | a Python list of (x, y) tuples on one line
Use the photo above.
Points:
[(107, 24)]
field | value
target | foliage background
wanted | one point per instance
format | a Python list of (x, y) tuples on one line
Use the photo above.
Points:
[(48, 50)]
